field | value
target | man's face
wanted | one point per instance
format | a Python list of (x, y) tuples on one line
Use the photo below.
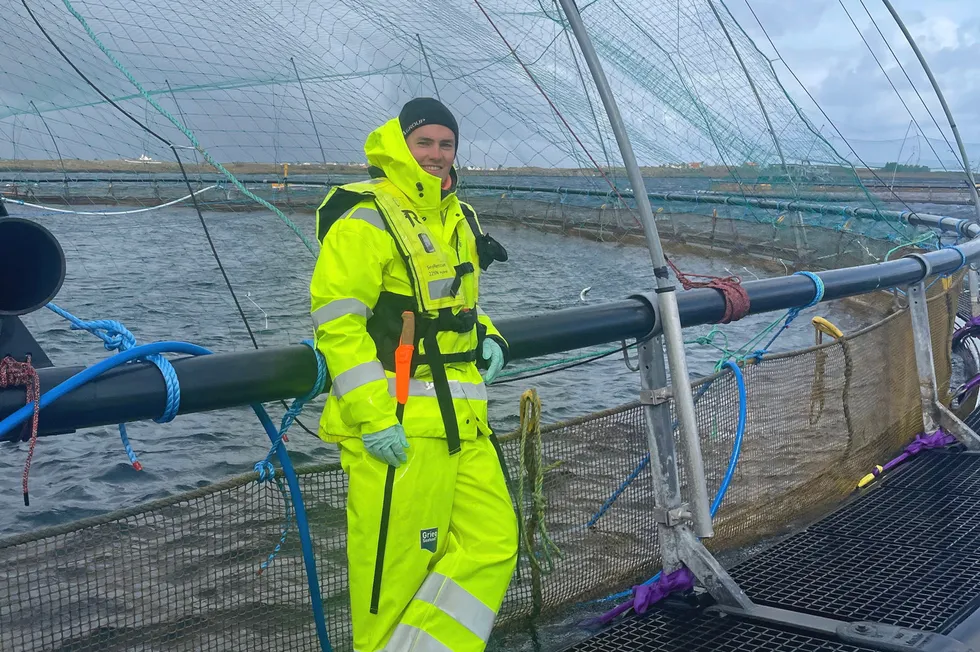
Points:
[(434, 147)]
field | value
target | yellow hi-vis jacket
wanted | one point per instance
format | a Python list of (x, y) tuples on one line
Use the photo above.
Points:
[(399, 242)]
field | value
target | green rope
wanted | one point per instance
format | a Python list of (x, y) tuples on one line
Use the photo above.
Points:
[(922, 238), (190, 136), (548, 365), (531, 465)]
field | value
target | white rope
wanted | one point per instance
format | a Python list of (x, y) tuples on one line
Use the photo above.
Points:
[(132, 212)]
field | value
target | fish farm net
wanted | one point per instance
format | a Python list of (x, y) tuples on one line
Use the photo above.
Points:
[(115, 107), (182, 573), (205, 133)]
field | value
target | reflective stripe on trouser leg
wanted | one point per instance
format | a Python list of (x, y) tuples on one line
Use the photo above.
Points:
[(421, 503), (458, 601), (411, 638)]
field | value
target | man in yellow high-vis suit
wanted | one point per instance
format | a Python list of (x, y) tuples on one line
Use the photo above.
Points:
[(432, 534)]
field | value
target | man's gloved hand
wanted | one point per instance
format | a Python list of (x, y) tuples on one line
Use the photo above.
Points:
[(388, 445), (494, 356)]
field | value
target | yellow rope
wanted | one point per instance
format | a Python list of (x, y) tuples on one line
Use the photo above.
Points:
[(532, 468), (821, 327)]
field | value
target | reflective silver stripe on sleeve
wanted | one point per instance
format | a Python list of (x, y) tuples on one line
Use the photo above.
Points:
[(457, 603), (368, 215), (357, 376), (470, 391), (339, 308), (480, 312), (441, 289), (412, 639)]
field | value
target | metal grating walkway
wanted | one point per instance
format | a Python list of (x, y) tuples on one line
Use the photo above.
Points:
[(905, 552)]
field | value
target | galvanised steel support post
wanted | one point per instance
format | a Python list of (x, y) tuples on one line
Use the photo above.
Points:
[(934, 413), (974, 286), (922, 341), (663, 455), (666, 292)]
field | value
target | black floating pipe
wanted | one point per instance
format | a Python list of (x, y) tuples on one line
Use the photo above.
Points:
[(136, 392), (32, 266)]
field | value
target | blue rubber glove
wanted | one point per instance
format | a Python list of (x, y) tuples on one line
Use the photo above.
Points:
[(388, 445), (494, 355)]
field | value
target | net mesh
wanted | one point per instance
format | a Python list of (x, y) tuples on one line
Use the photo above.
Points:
[(108, 99), (181, 573)]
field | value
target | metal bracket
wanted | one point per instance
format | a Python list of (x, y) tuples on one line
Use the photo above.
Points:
[(672, 517), (708, 571), (626, 359), (954, 426), (655, 396), (877, 636), (922, 260)]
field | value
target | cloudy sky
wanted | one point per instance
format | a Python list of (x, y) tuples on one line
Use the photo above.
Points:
[(817, 40)]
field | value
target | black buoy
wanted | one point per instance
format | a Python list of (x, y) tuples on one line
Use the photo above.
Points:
[(32, 266)]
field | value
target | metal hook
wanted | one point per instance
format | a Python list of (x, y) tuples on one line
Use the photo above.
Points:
[(626, 358)]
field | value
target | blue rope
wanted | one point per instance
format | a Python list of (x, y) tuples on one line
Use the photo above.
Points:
[(116, 337), (265, 469), (962, 258), (729, 472), (639, 468), (962, 264), (143, 352), (793, 313)]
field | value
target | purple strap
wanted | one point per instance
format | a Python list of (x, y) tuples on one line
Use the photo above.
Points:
[(967, 329), (967, 387), (645, 595), (921, 442)]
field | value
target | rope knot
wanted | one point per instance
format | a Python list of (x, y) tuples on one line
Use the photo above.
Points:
[(113, 334), (22, 374), (265, 470), (736, 298)]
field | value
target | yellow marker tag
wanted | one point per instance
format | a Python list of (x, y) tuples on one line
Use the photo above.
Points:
[(827, 328), (868, 479)]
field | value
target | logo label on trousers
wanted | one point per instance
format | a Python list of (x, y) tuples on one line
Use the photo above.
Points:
[(430, 539)]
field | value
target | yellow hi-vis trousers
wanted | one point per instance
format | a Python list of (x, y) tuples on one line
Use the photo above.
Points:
[(448, 554)]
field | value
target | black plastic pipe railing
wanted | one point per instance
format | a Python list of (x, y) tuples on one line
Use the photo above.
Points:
[(137, 392)]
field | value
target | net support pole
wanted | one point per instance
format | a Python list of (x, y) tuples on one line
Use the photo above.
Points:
[(934, 413), (974, 282), (942, 101), (798, 228), (666, 290)]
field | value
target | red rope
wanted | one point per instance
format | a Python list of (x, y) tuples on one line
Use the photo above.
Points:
[(736, 298), (23, 374)]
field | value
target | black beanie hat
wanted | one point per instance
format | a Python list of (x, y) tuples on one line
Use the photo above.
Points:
[(426, 111)]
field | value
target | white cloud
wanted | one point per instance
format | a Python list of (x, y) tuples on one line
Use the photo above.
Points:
[(827, 53)]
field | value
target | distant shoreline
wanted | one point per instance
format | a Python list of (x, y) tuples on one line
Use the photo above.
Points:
[(157, 167)]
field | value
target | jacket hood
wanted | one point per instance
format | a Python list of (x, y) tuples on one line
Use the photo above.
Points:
[(386, 149)]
